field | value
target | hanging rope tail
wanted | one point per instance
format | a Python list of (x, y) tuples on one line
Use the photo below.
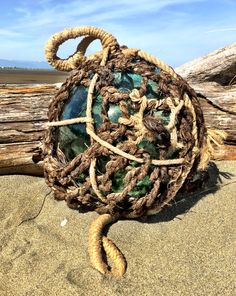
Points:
[(99, 244)]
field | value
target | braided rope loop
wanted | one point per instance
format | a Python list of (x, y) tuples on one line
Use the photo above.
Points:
[(90, 33)]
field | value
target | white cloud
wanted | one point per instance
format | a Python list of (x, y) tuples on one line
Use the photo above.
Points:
[(81, 12), (175, 36), (9, 33), (25, 12), (221, 30)]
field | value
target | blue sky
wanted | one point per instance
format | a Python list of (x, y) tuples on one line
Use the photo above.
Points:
[(174, 30)]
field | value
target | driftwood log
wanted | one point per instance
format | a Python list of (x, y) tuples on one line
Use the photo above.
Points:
[(214, 78), (23, 111)]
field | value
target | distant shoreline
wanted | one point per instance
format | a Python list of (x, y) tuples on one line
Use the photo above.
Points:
[(30, 76), (26, 69)]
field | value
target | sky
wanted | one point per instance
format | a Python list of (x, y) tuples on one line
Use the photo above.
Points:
[(175, 31)]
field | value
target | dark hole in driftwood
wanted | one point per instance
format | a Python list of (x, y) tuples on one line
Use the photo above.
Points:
[(37, 157), (225, 77)]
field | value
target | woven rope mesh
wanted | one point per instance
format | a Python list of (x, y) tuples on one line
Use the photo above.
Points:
[(152, 126)]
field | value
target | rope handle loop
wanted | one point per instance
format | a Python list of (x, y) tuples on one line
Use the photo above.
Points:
[(90, 34)]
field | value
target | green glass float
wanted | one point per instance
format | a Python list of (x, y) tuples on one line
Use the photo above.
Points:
[(73, 139)]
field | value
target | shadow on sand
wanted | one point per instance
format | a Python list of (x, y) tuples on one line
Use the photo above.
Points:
[(185, 201)]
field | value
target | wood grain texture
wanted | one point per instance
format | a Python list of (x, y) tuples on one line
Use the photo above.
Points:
[(23, 111), (225, 97), (214, 77), (217, 66)]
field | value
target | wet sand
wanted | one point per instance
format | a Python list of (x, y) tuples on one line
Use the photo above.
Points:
[(24, 76), (188, 249)]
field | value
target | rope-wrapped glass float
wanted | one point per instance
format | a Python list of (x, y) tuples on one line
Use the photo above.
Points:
[(125, 133)]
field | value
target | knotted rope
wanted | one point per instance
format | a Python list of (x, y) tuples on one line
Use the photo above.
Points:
[(190, 139)]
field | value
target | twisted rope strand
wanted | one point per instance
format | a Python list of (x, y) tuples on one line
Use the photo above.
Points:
[(92, 176), (115, 255), (68, 121), (95, 246), (160, 64), (99, 243)]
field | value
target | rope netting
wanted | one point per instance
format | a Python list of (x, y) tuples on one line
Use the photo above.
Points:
[(140, 135)]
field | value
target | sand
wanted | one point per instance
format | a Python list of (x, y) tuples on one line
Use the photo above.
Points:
[(177, 252)]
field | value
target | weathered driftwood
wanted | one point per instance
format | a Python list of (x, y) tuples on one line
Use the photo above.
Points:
[(23, 111), (225, 98), (214, 77), (218, 66)]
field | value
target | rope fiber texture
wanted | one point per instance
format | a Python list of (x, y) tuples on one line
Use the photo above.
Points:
[(183, 144)]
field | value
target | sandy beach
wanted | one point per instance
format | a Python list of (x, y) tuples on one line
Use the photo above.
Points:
[(185, 250)]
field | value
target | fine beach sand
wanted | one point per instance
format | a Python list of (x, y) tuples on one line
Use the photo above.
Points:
[(177, 252)]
